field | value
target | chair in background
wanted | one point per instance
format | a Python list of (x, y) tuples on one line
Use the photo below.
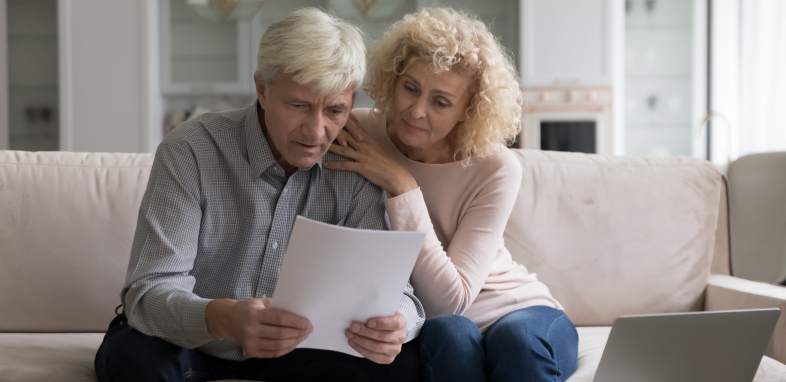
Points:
[(757, 198)]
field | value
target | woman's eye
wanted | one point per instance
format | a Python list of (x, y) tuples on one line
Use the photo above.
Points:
[(442, 104), (409, 88)]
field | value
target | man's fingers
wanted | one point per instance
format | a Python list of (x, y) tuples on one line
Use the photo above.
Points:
[(391, 336), (376, 351), (275, 345), (259, 353), (277, 317), (274, 332), (374, 345), (371, 356), (394, 322)]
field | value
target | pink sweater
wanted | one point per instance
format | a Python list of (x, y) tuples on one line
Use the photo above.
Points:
[(463, 267)]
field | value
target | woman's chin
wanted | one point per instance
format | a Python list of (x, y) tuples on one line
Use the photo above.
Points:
[(409, 139)]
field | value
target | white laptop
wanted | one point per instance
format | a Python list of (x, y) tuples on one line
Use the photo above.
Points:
[(716, 346)]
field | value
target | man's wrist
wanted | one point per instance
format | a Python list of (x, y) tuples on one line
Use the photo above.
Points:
[(216, 317)]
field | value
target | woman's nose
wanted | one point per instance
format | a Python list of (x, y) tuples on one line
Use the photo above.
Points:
[(418, 109)]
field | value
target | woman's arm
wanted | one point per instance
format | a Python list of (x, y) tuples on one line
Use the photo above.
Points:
[(447, 280)]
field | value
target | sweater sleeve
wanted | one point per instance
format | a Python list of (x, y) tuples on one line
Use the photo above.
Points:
[(448, 278)]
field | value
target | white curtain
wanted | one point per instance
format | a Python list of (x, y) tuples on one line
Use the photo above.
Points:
[(762, 77), (748, 82)]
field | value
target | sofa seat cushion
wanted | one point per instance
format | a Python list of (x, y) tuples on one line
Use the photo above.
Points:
[(592, 340), (68, 357), (40, 357)]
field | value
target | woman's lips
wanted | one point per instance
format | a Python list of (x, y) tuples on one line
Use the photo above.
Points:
[(412, 128)]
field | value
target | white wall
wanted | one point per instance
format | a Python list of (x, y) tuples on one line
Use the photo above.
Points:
[(107, 84)]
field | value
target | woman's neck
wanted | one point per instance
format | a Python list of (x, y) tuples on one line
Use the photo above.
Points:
[(440, 152)]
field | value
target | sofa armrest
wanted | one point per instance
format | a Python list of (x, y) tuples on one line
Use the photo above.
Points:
[(731, 293)]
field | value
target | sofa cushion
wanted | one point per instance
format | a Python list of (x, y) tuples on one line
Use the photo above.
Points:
[(44, 357), (616, 235), (67, 222)]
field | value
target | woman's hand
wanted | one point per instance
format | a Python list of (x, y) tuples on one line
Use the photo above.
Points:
[(370, 160)]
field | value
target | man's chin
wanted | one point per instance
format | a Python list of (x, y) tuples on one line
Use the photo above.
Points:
[(302, 160)]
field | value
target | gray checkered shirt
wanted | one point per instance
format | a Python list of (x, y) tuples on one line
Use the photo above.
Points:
[(215, 223)]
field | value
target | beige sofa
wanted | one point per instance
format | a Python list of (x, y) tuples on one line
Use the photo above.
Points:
[(608, 235)]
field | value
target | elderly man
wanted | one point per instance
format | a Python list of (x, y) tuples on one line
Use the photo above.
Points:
[(215, 222)]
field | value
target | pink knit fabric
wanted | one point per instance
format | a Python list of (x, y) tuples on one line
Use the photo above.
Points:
[(463, 267)]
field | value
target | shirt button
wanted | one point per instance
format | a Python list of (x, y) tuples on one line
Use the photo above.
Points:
[(275, 245)]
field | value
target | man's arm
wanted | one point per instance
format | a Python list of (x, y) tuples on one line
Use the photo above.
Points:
[(158, 294)]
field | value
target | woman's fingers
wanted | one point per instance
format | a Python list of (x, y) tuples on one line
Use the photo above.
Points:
[(344, 151), (341, 166), (342, 138), (354, 128)]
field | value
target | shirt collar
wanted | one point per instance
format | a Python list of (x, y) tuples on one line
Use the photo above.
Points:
[(259, 155)]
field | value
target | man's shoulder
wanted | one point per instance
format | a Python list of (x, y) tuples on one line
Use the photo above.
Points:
[(207, 124), (343, 177)]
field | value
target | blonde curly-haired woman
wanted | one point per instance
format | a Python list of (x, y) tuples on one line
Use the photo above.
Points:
[(447, 98)]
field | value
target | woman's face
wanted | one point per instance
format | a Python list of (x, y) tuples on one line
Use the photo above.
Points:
[(428, 106)]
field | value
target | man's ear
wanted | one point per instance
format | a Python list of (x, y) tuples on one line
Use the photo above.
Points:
[(260, 86)]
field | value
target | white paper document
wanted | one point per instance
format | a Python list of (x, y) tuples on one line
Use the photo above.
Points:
[(335, 275)]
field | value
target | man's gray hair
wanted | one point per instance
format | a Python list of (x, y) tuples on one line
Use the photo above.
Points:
[(321, 50)]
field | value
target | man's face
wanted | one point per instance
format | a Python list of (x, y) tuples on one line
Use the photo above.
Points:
[(302, 124)]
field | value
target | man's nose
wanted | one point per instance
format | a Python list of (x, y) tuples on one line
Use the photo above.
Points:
[(314, 128)]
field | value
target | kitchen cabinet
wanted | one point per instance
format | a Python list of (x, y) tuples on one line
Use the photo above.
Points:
[(30, 35), (567, 42), (204, 57)]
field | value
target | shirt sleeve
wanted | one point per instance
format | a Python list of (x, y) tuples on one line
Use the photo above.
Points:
[(367, 211), (449, 278), (158, 294)]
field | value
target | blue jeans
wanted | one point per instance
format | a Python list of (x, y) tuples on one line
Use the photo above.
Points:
[(537, 343), (129, 355)]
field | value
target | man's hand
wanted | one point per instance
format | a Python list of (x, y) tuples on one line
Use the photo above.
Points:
[(261, 331), (380, 338)]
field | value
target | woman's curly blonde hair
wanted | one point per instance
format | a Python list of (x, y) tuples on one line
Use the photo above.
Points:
[(446, 38)]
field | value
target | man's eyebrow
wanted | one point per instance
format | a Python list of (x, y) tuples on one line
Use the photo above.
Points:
[(297, 100), (341, 107)]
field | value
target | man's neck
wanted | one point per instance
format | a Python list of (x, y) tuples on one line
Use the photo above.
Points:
[(288, 168)]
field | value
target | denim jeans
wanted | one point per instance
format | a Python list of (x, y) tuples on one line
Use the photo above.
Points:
[(129, 355), (535, 344)]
